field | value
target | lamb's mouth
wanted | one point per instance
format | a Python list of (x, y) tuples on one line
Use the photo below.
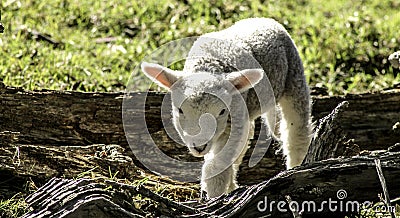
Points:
[(198, 150)]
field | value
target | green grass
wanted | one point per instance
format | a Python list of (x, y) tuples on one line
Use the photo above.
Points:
[(344, 44), (13, 207), (380, 210)]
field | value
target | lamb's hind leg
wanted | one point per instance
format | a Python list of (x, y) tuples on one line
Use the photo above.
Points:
[(295, 126)]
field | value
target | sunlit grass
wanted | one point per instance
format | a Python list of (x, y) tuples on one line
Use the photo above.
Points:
[(13, 207), (343, 44)]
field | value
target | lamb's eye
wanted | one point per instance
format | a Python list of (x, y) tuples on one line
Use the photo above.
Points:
[(222, 112), (180, 110)]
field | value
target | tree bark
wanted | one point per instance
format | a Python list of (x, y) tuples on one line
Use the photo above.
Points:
[(37, 164), (46, 124), (47, 134), (329, 140), (330, 188), (76, 118)]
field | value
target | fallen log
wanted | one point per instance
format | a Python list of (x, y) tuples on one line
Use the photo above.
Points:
[(76, 118), (313, 182), (50, 125), (329, 188), (37, 164), (50, 134), (80, 119), (21, 162)]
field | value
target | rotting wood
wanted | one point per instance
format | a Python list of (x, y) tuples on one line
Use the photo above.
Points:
[(337, 181), (76, 118), (42, 162), (51, 121)]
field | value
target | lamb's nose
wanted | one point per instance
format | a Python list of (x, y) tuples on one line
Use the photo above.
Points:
[(199, 148)]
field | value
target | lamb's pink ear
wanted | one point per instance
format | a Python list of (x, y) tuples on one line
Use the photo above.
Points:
[(245, 79), (163, 76)]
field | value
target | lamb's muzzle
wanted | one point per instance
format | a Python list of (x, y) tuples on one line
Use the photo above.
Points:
[(199, 148)]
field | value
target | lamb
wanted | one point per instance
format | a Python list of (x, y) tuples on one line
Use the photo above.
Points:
[(229, 79)]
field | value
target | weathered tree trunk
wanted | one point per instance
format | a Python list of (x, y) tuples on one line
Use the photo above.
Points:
[(343, 184), (79, 119), (329, 139), (76, 118), (22, 161)]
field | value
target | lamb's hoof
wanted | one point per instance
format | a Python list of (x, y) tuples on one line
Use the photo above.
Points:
[(203, 196)]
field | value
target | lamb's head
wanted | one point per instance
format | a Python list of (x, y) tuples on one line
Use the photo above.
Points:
[(201, 102)]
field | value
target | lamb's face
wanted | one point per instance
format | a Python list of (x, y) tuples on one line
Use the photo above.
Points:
[(201, 101), (200, 111)]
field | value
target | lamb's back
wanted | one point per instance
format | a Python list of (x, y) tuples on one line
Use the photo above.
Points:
[(247, 44)]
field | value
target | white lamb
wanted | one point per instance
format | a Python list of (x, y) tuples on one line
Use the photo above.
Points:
[(203, 97)]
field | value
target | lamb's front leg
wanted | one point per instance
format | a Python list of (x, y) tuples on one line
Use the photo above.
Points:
[(214, 183), (235, 167), (221, 164)]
